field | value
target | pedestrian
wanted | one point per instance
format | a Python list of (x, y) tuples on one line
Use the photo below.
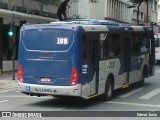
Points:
[(62, 11)]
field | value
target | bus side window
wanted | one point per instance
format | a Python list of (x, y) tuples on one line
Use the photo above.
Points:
[(144, 45), (84, 49), (135, 44), (114, 45), (104, 47)]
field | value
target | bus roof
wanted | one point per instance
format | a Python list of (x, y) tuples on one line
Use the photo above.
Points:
[(94, 22), (90, 25)]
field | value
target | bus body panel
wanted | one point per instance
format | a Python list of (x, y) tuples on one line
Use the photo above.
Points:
[(90, 66), (37, 70), (157, 54), (137, 66), (49, 53), (114, 67), (48, 57), (40, 90), (157, 47)]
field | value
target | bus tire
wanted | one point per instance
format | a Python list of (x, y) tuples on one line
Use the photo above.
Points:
[(107, 96), (144, 75)]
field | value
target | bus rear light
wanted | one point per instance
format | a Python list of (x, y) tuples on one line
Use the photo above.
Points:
[(20, 74), (74, 77)]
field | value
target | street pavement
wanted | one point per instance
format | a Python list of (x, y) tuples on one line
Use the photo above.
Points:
[(7, 82), (136, 98)]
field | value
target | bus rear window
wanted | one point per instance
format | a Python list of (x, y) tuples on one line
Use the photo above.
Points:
[(47, 39)]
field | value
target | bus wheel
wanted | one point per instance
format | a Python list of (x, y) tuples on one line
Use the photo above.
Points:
[(107, 96), (144, 73)]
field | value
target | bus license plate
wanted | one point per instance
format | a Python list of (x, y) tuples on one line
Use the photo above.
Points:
[(46, 80)]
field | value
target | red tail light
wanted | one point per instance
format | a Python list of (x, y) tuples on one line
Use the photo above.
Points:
[(20, 74), (74, 77)]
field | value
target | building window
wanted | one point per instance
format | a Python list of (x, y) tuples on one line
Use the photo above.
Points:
[(141, 15), (84, 48), (154, 6), (139, 44), (135, 44)]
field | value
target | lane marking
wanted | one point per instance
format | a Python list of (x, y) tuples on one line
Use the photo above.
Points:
[(132, 92), (134, 104), (18, 96), (61, 109), (3, 101), (2, 91), (158, 71), (151, 94)]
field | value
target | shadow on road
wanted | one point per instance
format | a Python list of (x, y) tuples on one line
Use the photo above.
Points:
[(131, 88), (78, 103), (75, 103)]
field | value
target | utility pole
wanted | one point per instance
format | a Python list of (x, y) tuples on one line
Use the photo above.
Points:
[(147, 12), (12, 41), (13, 45)]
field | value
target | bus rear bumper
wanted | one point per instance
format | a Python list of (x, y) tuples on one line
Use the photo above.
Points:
[(40, 90)]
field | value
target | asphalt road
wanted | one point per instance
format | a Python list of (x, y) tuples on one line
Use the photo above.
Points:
[(146, 98)]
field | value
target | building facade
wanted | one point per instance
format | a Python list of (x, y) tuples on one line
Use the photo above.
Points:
[(19, 12), (120, 10), (158, 15), (112, 10), (32, 11)]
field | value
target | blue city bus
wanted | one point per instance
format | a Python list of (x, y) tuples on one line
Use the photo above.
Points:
[(83, 58)]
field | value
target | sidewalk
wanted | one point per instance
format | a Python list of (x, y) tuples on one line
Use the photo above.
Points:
[(6, 81)]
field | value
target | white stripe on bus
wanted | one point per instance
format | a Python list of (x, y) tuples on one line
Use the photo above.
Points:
[(98, 28), (138, 28)]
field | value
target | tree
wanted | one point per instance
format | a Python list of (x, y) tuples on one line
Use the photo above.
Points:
[(57, 2), (62, 10), (139, 2)]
